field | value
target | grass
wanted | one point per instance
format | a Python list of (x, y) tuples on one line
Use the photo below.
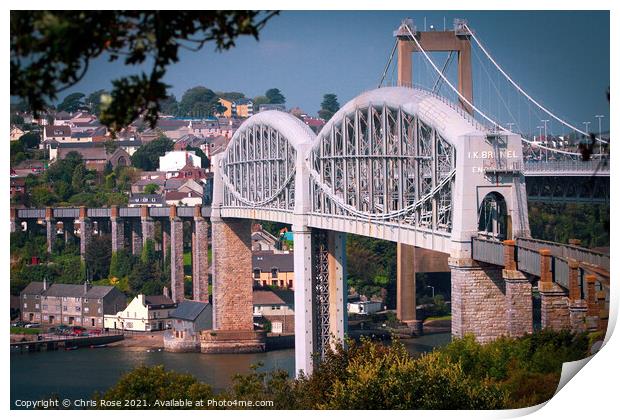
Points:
[(439, 318), (22, 330)]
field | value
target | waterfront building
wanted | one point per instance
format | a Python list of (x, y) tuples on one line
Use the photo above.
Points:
[(72, 304), (187, 320), (275, 306), (144, 313)]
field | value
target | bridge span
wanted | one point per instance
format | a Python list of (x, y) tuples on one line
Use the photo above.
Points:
[(394, 163)]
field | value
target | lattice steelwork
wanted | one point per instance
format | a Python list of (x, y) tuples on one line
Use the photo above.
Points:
[(259, 170), (381, 163), (320, 283)]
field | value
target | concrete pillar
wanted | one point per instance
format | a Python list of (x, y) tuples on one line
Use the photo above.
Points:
[(232, 275), (85, 231), (336, 244), (553, 298), (147, 225), (577, 306), (118, 230), (304, 337), (50, 225), (136, 236), (200, 258), (593, 310), (176, 256), (478, 300), (405, 286)]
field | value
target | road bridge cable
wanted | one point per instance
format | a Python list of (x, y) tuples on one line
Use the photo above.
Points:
[(389, 62), (473, 107), (551, 114)]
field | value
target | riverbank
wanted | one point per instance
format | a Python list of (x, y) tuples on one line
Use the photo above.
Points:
[(139, 341)]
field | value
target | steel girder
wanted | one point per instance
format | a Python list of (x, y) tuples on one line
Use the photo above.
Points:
[(381, 163), (259, 170)]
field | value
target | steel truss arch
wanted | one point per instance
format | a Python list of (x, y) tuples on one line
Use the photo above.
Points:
[(259, 165)]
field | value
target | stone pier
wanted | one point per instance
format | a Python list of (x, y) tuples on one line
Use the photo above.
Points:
[(147, 225), (165, 238), (519, 311), (136, 236), (118, 230), (85, 231), (233, 327), (577, 306), (176, 256), (593, 310), (50, 227), (200, 256), (478, 300), (553, 298)]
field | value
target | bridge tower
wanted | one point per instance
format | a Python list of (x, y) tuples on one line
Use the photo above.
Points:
[(455, 41)]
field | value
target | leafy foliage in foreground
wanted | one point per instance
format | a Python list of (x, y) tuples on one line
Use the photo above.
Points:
[(507, 373)]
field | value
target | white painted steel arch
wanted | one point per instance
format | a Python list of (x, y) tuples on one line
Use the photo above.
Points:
[(395, 163)]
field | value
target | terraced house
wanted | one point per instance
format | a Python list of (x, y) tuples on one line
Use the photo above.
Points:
[(71, 304)]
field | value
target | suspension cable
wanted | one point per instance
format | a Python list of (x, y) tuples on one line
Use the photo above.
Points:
[(387, 66), (467, 102), (437, 85), (551, 114)]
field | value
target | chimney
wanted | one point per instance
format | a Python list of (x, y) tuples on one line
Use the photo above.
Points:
[(166, 292), (142, 299), (44, 283)]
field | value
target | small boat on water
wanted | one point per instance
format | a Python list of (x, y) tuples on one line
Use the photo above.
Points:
[(98, 346), (71, 348)]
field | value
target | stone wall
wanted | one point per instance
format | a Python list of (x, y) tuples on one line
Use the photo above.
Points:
[(176, 260), (200, 260), (553, 306), (478, 300), (519, 316)]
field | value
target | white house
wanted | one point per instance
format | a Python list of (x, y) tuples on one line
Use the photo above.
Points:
[(144, 313), (175, 160), (364, 308)]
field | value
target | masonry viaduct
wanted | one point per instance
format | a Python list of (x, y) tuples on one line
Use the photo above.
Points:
[(130, 228)]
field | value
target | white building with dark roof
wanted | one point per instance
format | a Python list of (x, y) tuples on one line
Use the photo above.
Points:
[(144, 313)]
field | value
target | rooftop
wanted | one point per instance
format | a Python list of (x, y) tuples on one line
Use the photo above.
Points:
[(189, 310)]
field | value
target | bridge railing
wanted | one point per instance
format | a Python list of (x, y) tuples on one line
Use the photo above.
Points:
[(488, 251), (586, 255), (590, 166), (560, 271), (528, 260)]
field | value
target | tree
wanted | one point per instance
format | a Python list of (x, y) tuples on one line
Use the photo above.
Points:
[(17, 119), (155, 384), (94, 100), (258, 101), (30, 140), (329, 106), (77, 180), (231, 96), (51, 52), (197, 102), (151, 189), (72, 102), (169, 105), (275, 96), (147, 156), (98, 255)]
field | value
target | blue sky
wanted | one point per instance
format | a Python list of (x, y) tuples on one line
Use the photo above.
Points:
[(561, 58)]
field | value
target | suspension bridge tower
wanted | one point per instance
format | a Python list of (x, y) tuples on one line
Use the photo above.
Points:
[(454, 42)]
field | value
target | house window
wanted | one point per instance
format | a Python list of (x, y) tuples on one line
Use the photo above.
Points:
[(37, 297), (25, 305), (64, 308), (99, 310), (64, 299), (85, 300), (274, 273), (256, 273), (45, 307), (77, 308), (86, 309), (36, 306), (25, 296)]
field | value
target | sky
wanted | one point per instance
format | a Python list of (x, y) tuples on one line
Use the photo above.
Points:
[(561, 58)]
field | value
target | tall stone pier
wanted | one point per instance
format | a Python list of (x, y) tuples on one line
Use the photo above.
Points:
[(147, 225), (406, 287), (233, 327), (118, 230), (85, 231), (200, 256), (176, 256), (50, 225)]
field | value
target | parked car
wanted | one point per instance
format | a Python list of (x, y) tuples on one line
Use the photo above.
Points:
[(95, 332), (33, 325), (18, 324)]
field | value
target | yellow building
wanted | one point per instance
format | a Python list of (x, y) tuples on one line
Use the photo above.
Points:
[(273, 269), (229, 107)]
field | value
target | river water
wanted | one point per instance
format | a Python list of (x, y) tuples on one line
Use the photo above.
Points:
[(79, 373)]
